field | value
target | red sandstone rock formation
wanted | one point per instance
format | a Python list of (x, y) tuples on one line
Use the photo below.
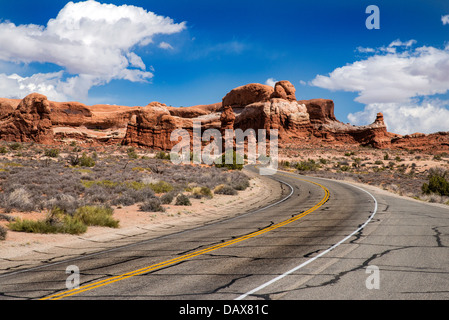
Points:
[(253, 106), (248, 94), (320, 110), (30, 121), (284, 90)]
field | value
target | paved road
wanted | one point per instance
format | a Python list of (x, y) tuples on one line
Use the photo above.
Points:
[(317, 242)]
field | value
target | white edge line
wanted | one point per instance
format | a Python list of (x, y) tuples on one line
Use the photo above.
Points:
[(266, 284)]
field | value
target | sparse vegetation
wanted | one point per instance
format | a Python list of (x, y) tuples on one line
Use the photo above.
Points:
[(132, 153), (200, 192), (53, 153), (237, 161), (3, 232), (183, 200), (225, 189), (309, 165), (152, 205), (96, 216), (438, 183)]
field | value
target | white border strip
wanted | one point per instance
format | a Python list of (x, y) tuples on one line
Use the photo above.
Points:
[(266, 284)]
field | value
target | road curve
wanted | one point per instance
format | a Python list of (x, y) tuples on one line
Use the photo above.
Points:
[(317, 242)]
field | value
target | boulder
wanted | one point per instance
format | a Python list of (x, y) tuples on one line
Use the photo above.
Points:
[(247, 94), (284, 90)]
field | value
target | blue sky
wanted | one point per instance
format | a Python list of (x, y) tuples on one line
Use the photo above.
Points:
[(203, 49)]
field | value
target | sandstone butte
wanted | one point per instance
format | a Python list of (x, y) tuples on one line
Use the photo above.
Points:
[(255, 106)]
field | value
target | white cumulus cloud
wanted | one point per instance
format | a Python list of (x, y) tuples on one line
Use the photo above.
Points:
[(406, 118), (92, 42), (393, 80), (270, 82), (165, 45), (445, 19)]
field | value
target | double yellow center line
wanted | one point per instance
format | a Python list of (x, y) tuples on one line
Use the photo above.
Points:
[(193, 254)]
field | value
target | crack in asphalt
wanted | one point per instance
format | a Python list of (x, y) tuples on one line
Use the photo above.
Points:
[(336, 277), (437, 236)]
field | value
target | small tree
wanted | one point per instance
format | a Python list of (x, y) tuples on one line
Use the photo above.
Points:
[(437, 183)]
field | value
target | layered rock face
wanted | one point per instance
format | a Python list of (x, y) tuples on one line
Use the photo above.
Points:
[(30, 121), (152, 125), (252, 106)]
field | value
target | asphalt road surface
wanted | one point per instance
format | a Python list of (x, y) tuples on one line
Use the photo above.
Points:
[(322, 240)]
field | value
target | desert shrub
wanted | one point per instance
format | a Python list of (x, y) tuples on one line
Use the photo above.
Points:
[(3, 232), (19, 199), (237, 161), (162, 155), (3, 150), (239, 181), (152, 205), (323, 161), (56, 222), (132, 153), (161, 187), (225, 189), (15, 146), (309, 165), (103, 183), (132, 196), (53, 153), (438, 183), (96, 216), (86, 161), (97, 194), (67, 203), (182, 200), (168, 197), (200, 192)]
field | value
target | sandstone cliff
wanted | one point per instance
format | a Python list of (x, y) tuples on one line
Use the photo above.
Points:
[(252, 106)]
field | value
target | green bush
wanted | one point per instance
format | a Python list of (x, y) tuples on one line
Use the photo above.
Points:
[(437, 183), (96, 216), (168, 197), (103, 183), (15, 146), (56, 222), (199, 192), (161, 187), (53, 153), (86, 161), (132, 153), (309, 165), (225, 189), (162, 155), (237, 161), (183, 200), (3, 150)]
